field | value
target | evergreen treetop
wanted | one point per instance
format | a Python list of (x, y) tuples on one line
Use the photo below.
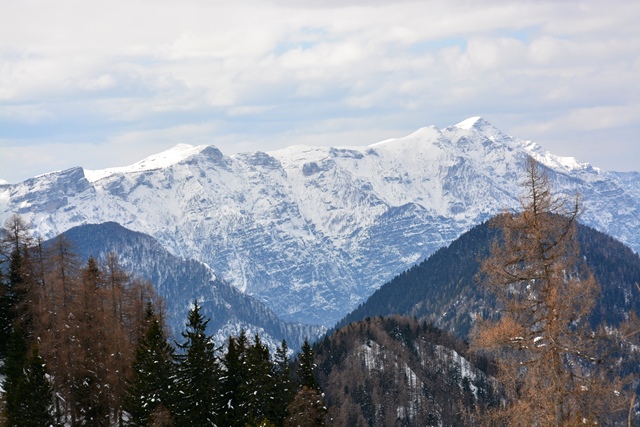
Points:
[(198, 374)]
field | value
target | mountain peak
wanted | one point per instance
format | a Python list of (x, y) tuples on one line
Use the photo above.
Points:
[(479, 124), (164, 159), (482, 127), (476, 122)]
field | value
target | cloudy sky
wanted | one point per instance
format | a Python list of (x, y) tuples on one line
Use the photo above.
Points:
[(107, 83)]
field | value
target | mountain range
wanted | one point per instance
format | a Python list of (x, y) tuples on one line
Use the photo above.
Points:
[(311, 232)]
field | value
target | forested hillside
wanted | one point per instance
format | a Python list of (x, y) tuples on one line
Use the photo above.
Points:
[(179, 281), (443, 289), (551, 303), (85, 343), (398, 371)]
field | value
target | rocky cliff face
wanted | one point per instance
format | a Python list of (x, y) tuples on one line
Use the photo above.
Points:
[(311, 232)]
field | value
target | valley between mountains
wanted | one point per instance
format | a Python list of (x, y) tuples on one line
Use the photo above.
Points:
[(309, 233)]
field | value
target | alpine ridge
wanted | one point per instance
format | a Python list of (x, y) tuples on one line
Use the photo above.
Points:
[(312, 231)]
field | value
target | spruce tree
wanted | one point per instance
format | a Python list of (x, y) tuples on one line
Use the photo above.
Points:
[(5, 317), (37, 401), (198, 374), (16, 242), (151, 391), (260, 388), (284, 392), (14, 375), (17, 279), (28, 392), (306, 367), (233, 382)]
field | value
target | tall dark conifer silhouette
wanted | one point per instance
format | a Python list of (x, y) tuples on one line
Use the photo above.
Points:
[(284, 391), (5, 317), (307, 407), (198, 374), (306, 368), (151, 392), (32, 405), (260, 384), (14, 367), (15, 290), (234, 379)]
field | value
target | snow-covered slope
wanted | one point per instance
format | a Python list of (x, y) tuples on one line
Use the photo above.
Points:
[(313, 231)]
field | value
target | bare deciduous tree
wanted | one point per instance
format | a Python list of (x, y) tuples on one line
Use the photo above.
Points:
[(556, 369)]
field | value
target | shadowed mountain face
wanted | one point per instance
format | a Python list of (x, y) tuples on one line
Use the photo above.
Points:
[(181, 281), (443, 289), (312, 232)]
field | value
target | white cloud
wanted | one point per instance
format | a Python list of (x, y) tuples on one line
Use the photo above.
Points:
[(263, 70), (587, 119)]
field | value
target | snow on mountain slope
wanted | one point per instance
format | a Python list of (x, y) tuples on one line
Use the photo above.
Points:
[(157, 161), (312, 231)]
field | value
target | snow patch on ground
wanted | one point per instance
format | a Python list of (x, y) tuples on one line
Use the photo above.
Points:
[(370, 352)]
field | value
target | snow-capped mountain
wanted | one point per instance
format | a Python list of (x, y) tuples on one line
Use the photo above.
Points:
[(312, 231)]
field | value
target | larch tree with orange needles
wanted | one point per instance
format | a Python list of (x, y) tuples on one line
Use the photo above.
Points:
[(555, 367)]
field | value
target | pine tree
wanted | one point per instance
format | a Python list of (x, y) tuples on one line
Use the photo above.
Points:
[(198, 374), (14, 375), (17, 287), (36, 402), (28, 393), (5, 316), (152, 388)]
